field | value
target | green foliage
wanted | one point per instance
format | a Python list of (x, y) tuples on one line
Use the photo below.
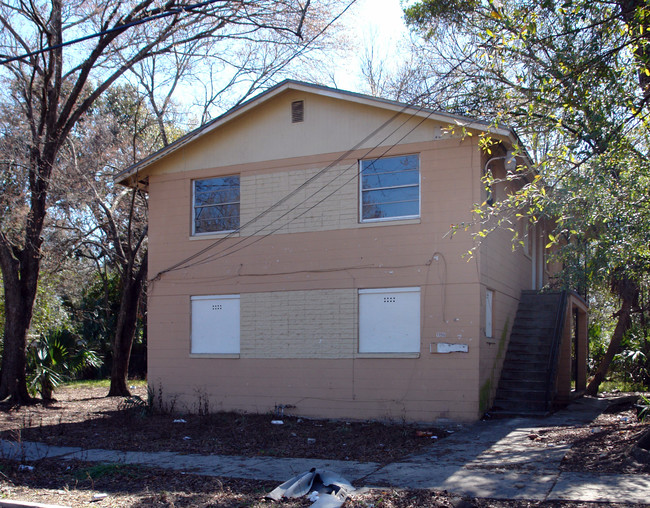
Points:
[(450, 10), (96, 321), (643, 408), (573, 78), (56, 356), (94, 383), (100, 471), (49, 309), (96, 312)]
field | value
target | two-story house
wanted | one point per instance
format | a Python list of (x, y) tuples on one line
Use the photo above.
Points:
[(300, 255)]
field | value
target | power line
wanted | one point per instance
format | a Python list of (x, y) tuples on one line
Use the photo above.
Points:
[(233, 248), (180, 264), (258, 239)]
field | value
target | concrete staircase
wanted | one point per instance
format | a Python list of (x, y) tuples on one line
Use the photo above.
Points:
[(528, 376)]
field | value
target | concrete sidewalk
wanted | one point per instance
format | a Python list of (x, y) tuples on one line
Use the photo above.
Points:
[(492, 459)]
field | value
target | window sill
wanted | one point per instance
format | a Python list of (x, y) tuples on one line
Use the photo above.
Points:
[(214, 355), (387, 355), (213, 236), (389, 222)]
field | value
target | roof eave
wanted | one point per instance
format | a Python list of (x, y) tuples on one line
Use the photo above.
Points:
[(126, 177)]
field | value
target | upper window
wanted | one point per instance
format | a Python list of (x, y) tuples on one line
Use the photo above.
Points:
[(390, 188), (216, 205)]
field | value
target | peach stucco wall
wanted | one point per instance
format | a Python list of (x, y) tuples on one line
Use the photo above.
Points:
[(305, 262)]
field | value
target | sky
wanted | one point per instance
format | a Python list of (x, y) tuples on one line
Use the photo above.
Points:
[(376, 22), (384, 17)]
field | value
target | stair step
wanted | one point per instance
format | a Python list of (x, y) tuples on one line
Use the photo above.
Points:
[(545, 309), (533, 352), (518, 406), (523, 374), (504, 413), (523, 384), (519, 336), (531, 324)]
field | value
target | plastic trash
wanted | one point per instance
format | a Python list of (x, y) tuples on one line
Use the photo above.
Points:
[(325, 489), (25, 467), (99, 496), (180, 420), (277, 422)]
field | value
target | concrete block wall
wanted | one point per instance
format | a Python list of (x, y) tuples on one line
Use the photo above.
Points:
[(299, 324)]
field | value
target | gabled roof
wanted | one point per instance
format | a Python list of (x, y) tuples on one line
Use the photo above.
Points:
[(395, 106)]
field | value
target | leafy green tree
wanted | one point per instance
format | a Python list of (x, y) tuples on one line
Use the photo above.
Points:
[(573, 77), (50, 312)]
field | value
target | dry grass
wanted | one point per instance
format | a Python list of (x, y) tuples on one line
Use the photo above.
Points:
[(84, 417)]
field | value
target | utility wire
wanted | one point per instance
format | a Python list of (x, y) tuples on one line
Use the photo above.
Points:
[(225, 252), (262, 214), (182, 264)]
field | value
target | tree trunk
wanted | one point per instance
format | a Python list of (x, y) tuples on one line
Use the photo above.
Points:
[(13, 382), (622, 326), (20, 280), (18, 314), (125, 329)]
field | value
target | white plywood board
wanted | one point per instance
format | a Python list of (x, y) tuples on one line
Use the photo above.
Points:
[(389, 320), (215, 324)]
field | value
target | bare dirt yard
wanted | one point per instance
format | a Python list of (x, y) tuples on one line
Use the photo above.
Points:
[(84, 417)]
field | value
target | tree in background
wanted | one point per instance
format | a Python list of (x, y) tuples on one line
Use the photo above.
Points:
[(109, 221), (48, 87), (573, 78)]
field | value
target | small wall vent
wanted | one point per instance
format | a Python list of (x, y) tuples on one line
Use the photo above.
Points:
[(297, 111)]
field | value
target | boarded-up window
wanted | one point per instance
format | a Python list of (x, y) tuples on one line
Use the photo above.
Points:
[(215, 324), (389, 320)]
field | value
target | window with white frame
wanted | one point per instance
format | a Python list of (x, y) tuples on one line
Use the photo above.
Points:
[(390, 188), (216, 205), (389, 320), (215, 324)]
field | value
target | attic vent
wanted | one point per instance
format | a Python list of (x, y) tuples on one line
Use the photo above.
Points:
[(297, 111)]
